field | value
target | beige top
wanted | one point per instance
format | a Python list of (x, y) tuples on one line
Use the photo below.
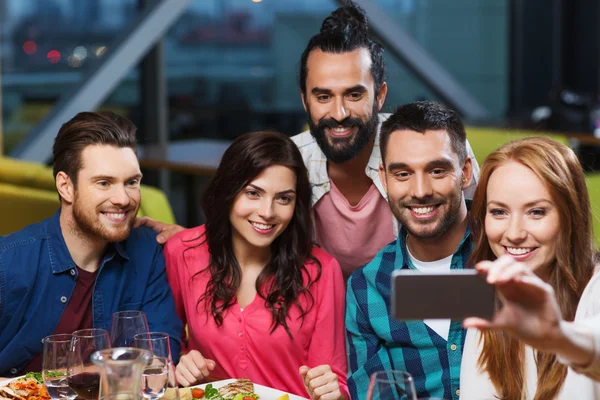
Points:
[(579, 384)]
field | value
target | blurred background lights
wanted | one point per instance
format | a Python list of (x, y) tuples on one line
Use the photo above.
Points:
[(80, 52), (100, 51), (53, 56), (29, 47)]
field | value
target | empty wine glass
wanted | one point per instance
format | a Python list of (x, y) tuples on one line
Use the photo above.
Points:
[(82, 375), (160, 371), (390, 384), (54, 366), (125, 325)]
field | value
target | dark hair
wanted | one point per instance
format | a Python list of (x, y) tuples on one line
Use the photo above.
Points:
[(282, 281), (422, 116), (86, 129), (345, 30)]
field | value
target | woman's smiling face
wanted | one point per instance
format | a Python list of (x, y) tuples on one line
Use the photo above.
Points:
[(522, 219)]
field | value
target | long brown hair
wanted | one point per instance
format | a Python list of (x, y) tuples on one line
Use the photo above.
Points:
[(282, 282), (558, 168)]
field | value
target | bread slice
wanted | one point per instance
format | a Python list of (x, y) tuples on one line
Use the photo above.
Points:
[(8, 393)]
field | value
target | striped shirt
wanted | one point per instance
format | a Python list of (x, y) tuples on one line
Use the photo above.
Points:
[(376, 342)]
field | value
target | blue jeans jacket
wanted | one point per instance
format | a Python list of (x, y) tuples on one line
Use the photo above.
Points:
[(37, 278)]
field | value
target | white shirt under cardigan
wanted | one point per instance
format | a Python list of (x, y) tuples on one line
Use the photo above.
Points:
[(476, 385)]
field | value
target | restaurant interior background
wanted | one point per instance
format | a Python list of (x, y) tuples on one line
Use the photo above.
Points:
[(194, 74)]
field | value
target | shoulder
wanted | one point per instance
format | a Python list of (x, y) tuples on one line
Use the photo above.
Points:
[(303, 140), (589, 305), (25, 238), (368, 274), (188, 238), (330, 268)]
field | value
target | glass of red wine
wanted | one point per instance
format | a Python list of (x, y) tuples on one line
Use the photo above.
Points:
[(83, 375)]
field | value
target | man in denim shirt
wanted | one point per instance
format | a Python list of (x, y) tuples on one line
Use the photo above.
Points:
[(74, 270)]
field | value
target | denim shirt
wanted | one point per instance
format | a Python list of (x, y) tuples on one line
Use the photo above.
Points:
[(37, 278)]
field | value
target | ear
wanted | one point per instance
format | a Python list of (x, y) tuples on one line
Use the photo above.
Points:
[(382, 176), (467, 173), (65, 187), (381, 96), (303, 101)]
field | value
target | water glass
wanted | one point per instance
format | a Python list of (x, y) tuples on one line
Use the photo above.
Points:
[(125, 325), (160, 371), (54, 366), (390, 384), (82, 375)]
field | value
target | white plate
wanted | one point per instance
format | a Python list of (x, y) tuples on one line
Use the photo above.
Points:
[(265, 393), (6, 381)]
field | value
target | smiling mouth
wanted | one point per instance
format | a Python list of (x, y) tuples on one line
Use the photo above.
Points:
[(120, 216), (519, 251), (341, 131), (262, 227)]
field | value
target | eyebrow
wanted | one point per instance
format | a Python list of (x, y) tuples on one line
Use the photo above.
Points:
[(440, 162), (112, 178), (264, 191), (530, 204), (353, 89)]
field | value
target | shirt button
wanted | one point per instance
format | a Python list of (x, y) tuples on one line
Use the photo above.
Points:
[(453, 347), (240, 334), (73, 272), (63, 299), (13, 371), (458, 392)]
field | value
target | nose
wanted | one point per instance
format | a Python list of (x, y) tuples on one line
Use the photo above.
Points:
[(120, 197), (265, 211), (421, 186), (339, 112), (516, 231)]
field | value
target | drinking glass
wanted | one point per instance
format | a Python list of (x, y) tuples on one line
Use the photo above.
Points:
[(54, 366), (390, 384), (82, 375), (125, 325), (160, 371)]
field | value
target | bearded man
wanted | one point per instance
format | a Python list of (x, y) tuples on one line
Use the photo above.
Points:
[(75, 269)]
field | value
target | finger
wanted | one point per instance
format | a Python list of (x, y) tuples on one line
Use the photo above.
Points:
[(201, 363), (497, 267), (140, 221), (168, 232), (322, 381), (331, 391), (193, 366), (210, 364), (184, 376), (303, 370), (318, 371), (511, 272), (483, 266), (476, 322)]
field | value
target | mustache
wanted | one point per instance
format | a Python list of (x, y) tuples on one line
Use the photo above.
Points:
[(346, 123)]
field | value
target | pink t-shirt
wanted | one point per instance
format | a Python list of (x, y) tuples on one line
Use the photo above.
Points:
[(243, 347), (353, 234)]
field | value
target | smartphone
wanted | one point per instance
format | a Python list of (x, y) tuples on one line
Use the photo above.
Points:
[(455, 294)]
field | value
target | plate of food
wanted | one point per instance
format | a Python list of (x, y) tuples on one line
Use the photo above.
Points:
[(27, 387), (235, 389)]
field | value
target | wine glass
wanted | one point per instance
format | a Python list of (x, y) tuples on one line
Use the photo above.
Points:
[(82, 375), (160, 371), (54, 366), (390, 384), (125, 325)]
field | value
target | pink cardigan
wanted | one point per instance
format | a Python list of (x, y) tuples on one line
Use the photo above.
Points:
[(243, 347)]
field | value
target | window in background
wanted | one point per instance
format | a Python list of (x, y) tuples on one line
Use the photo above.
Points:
[(47, 47)]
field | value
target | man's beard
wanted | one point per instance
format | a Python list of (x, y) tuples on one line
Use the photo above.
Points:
[(88, 223), (341, 150), (444, 221)]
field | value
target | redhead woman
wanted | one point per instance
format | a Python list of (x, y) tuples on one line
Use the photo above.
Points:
[(531, 213), (261, 302)]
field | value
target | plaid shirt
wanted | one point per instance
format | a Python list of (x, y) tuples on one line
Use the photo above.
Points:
[(376, 342), (316, 162)]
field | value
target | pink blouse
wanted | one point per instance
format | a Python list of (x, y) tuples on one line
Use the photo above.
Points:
[(243, 347)]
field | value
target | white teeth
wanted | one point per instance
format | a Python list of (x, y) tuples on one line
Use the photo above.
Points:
[(262, 226), (423, 210), (517, 251), (339, 129), (115, 215)]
